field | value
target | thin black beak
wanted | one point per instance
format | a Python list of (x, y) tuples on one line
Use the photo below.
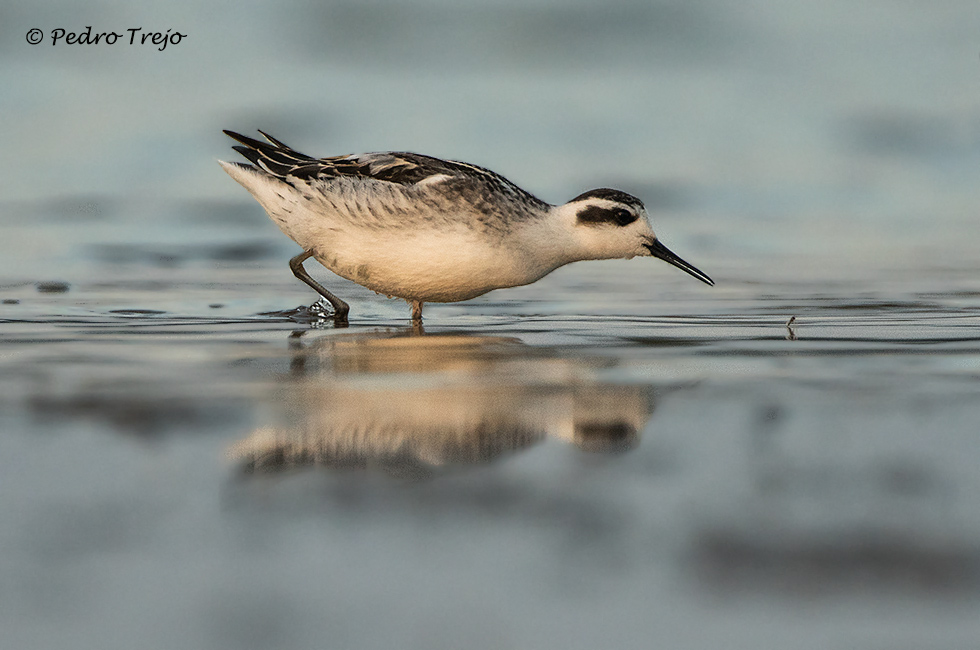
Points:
[(659, 250)]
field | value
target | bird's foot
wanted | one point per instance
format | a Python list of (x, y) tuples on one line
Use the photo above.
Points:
[(322, 311)]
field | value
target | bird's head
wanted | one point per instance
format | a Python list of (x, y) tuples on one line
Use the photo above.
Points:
[(610, 224)]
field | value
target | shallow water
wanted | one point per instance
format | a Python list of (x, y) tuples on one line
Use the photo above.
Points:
[(616, 456)]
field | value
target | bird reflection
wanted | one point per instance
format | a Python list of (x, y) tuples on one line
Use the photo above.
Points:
[(415, 405)]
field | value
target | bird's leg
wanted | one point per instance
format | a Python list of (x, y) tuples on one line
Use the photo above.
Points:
[(417, 317), (340, 308)]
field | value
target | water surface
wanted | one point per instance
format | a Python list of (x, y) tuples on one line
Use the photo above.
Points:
[(614, 455)]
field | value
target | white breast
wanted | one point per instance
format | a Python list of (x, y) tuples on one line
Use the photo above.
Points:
[(430, 266)]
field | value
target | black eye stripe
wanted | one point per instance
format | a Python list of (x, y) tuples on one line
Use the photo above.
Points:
[(594, 215)]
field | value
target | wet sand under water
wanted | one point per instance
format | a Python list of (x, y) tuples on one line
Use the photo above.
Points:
[(549, 466)]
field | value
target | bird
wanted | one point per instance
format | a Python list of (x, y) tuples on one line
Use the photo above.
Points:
[(424, 229)]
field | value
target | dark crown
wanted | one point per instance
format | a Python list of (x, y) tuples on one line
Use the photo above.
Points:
[(610, 195)]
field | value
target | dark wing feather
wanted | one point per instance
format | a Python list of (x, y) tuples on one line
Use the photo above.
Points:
[(274, 156), (398, 167)]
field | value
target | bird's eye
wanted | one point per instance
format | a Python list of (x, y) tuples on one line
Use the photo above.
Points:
[(624, 217), (596, 216)]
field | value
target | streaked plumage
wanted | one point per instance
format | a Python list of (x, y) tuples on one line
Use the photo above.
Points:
[(430, 230)]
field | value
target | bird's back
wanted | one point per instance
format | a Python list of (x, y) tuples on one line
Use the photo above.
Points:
[(383, 189)]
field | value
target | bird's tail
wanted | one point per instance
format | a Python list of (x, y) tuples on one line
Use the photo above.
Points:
[(273, 157)]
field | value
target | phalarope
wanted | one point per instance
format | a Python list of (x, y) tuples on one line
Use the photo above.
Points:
[(430, 230)]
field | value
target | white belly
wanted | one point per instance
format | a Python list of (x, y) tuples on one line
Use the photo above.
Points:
[(430, 266)]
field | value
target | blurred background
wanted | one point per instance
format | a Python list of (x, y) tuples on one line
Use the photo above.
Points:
[(840, 132), (806, 488)]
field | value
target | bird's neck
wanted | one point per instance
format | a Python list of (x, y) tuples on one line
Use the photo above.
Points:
[(554, 238)]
